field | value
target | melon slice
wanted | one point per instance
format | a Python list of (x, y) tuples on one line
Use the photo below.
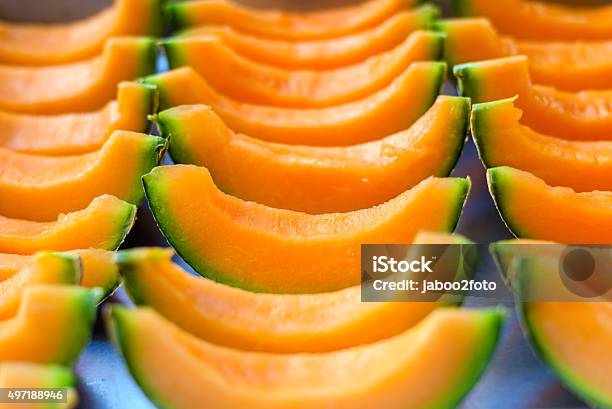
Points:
[(53, 325), (503, 141), (71, 134), (540, 20), (76, 87), (265, 322), (103, 224), (281, 24), (44, 44), (21, 375), (253, 246), (318, 179), (532, 209), (447, 351), (390, 110), (244, 80), (585, 115), (322, 54), (68, 183)]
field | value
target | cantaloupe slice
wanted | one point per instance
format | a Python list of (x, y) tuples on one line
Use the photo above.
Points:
[(540, 20), (584, 115), (22, 375), (103, 224), (391, 109), (69, 183), (565, 65), (53, 325), (253, 246), (76, 87), (503, 141), (434, 364), (313, 179), (264, 322), (532, 209), (71, 134), (281, 24), (44, 44), (244, 80), (323, 54)]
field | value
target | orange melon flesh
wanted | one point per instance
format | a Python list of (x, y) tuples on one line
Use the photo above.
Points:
[(390, 110), (322, 54), (446, 352), (253, 246), (569, 65), (532, 209), (53, 325), (283, 25), (71, 134), (21, 375), (312, 179), (247, 81), (69, 183), (76, 87), (503, 141), (584, 115), (103, 224), (539, 20), (45, 44)]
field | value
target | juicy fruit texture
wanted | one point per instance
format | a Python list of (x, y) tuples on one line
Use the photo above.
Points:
[(444, 354), (256, 247), (21, 375), (503, 141), (71, 134), (390, 110), (68, 183), (283, 25), (244, 80), (76, 87), (53, 325), (318, 180), (323, 54), (36, 44), (569, 65), (532, 209), (47, 268), (583, 115), (103, 224), (539, 20)]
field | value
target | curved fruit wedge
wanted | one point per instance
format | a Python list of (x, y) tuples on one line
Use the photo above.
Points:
[(247, 81), (37, 44), (540, 20), (312, 179), (46, 268), (263, 322), (280, 24), (532, 209), (323, 54), (53, 325), (585, 115), (570, 66), (69, 183), (503, 141), (103, 224), (256, 247), (390, 110), (449, 349), (76, 87), (21, 375), (71, 134)]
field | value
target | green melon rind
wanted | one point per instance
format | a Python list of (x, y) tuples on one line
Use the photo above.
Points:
[(469, 81), (525, 266), (463, 8), (458, 135), (499, 187), (71, 271), (158, 18), (124, 223), (147, 57), (128, 262), (150, 101), (483, 131), (152, 149)]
